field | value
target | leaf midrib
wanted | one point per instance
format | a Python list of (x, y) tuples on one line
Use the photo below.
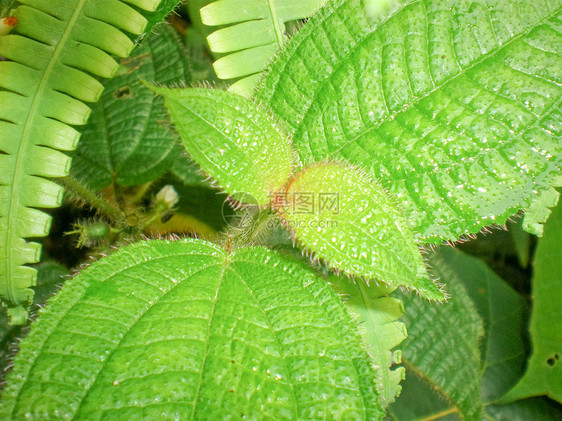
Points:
[(290, 383), (321, 86), (275, 22), (415, 101), (207, 340), (142, 315), (383, 372), (25, 143)]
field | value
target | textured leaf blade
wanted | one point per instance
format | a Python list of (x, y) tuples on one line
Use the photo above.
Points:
[(503, 312), (232, 139), (443, 343), (185, 330), (544, 371), (126, 140), (454, 106), (377, 316), (502, 350), (345, 218)]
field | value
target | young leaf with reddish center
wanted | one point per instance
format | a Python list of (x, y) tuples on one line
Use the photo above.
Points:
[(342, 216), (454, 106)]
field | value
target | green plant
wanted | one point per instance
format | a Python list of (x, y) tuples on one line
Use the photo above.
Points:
[(378, 131), (53, 55), (255, 33)]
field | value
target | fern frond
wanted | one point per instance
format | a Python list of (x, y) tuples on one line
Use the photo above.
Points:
[(53, 54), (255, 31)]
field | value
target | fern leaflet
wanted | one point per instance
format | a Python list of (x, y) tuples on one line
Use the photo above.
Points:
[(52, 55), (256, 31)]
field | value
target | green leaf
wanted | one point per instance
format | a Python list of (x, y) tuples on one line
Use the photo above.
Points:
[(503, 313), (155, 18), (442, 345), (377, 316), (539, 210), (342, 216), (521, 243), (163, 330), (419, 401), (451, 105), (52, 57), (544, 371), (233, 140), (525, 410), (255, 30), (49, 278), (126, 140)]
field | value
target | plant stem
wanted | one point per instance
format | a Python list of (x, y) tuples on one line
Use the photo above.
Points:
[(92, 199), (139, 195), (440, 414), (119, 196)]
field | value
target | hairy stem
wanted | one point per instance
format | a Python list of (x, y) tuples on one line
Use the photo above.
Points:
[(92, 199)]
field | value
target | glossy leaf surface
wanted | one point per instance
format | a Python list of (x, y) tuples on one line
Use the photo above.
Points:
[(184, 330), (454, 106)]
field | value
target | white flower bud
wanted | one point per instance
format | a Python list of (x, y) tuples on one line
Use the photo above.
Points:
[(168, 195)]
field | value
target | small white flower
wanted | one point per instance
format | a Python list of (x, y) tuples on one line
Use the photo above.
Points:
[(168, 195)]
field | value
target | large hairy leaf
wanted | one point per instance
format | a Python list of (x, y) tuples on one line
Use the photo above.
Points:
[(544, 371), (452, 105), (185, 330), (232, 139), (443, 342), (53, 54), (127, 139), (253, 31)]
